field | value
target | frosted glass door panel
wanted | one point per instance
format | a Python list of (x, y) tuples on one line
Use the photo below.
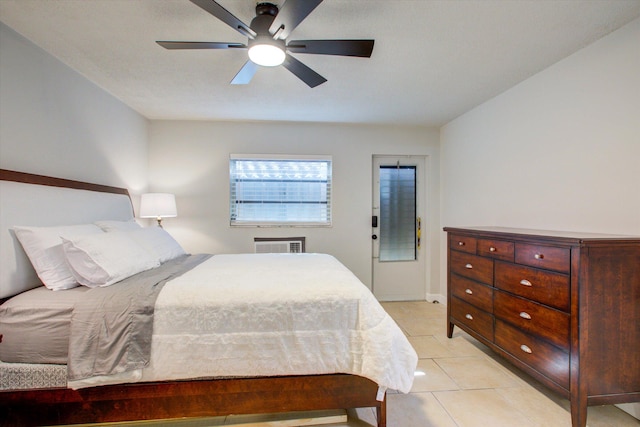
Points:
[(397, 213)]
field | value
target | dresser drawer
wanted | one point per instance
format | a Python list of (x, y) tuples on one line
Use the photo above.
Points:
[(463, 243), (548, 257), (545, 287), (472, 266), (472, 317), (536, 319), (541, 356), (472, 292), (499, 249)]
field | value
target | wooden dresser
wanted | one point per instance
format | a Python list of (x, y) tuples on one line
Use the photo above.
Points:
[(564, 307)]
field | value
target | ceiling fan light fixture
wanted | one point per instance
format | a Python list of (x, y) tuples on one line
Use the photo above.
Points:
[(267, 53), (267, 36)]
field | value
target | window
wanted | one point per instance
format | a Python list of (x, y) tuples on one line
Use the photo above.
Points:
[(397, 213), (282, 190)]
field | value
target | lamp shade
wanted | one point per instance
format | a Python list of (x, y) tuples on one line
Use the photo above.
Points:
[(266, 55), (158, 205), (265, 51)]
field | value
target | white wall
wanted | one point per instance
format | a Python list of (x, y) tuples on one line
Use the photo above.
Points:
[(559, 151), (55, 122), (191, 159)]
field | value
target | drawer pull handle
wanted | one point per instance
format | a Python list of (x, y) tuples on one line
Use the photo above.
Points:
[(460, 243), (468, 291), (539, 256), (492, 249), (469, 266), (468, 316), (526, 349), (525, 315), (525, 282)]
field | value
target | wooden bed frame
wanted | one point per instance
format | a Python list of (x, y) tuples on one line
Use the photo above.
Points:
[(180, 399), (194, 398)]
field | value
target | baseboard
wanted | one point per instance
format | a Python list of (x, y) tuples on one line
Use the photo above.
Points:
[(441, 299), (632, 409)]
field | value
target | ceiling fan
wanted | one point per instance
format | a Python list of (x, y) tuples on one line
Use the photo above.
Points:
[(267, 39)]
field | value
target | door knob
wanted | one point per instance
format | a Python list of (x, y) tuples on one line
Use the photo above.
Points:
[(374, 237)]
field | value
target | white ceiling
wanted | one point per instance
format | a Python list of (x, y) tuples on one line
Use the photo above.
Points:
[(432, 60)]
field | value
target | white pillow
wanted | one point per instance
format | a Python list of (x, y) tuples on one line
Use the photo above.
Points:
[(110, 226), (107, 258), (44, 248), (158, 242)]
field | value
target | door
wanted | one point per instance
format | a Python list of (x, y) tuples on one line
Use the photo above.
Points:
[(399, 260)]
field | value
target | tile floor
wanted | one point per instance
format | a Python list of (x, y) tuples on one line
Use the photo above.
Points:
[(466, 385)]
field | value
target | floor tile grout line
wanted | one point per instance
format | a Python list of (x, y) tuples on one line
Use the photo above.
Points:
[(453, 419)]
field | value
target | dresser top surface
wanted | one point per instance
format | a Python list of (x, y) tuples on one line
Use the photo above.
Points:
[(566, 236)]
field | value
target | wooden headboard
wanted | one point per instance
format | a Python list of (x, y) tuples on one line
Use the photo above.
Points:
[(36, 200)]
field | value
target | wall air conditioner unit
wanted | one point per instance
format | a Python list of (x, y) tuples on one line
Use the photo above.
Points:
[(279, 245)]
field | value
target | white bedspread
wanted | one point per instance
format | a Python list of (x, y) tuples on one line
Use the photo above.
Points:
[(273, 314)]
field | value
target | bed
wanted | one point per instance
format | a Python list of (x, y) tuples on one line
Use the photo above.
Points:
[(338, 372)]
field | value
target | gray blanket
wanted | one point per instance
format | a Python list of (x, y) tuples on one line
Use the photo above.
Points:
[(111, 328)]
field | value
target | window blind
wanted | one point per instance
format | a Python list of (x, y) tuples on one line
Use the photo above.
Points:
[(397, 213), (280, 191)]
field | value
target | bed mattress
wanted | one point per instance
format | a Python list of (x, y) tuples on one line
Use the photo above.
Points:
[(25, 376)]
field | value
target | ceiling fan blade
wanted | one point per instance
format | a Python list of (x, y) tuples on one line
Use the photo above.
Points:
[(361, 48), (245, 74), (200, 45), (225, 16), (290, 15), (304, 73)]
